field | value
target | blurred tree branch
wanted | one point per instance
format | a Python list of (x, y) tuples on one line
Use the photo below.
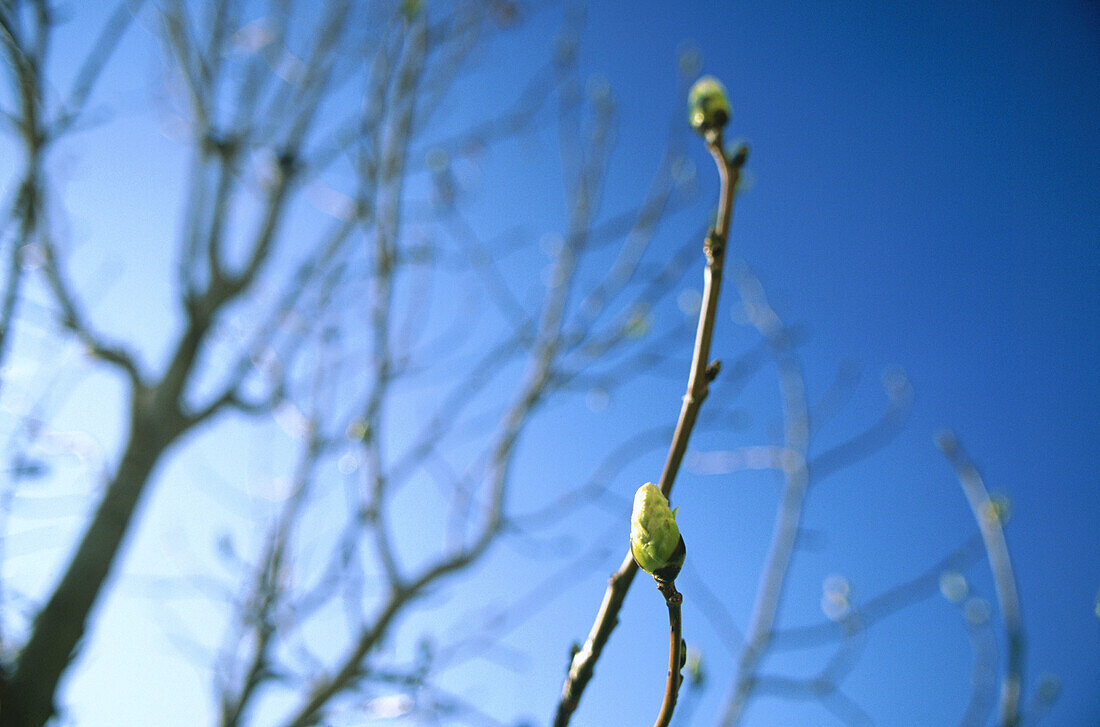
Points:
[(990, 518), (271, 112)]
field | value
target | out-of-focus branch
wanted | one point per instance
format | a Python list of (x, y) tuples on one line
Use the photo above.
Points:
[(177, 33), (311, 274), (983, 671), (39, 127), (157, 416), (400, 590), (27, 697), (596, 344), (94, 63), (74, 320), (989, 519), (13, 279), (881, 606), (899, 395), (268, 594), (402, 593), (796, 480), (827, 693), (386, 232)]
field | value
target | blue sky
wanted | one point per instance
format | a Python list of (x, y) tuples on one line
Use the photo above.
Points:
[(922, 196)]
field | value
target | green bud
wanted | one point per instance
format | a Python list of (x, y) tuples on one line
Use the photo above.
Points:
[(654, 537), (708, 105)]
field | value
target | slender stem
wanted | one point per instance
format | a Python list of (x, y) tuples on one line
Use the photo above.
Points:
[(715, 250), (675, 651), (1004, 581), (584, 662), (728, 173)]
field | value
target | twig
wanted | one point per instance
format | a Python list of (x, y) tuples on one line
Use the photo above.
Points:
[(1004, 581), (885, 604), (715, 249), (92, 68), (675, 651), (584, 662)]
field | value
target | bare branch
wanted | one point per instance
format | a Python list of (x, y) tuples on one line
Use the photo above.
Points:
[(989, 519), (673, 600), (28, 694), (73, 319), (584, 662), (885, 604), (94, 63), (37, 132), (796, 480)]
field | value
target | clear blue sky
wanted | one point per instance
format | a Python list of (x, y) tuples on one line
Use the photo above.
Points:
[(923, 195)]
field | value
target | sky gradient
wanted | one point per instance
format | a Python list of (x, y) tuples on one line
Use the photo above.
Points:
[(922, 197)]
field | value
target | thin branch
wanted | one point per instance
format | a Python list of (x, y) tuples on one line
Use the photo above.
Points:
[(715, 249), (94, 63), (73, 319), (176, 26), (989, 520), (616, 460), (584, 662), (268, 592), (983, 670), (500, 621), (796, 482), (13, 282), (881, 606), (816, 689), (899, 394), (28, 66), (673, 600)]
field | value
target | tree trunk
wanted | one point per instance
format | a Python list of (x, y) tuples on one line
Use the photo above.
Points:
[(27, 697)]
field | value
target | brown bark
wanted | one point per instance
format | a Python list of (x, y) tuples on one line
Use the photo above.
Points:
[(27, 697)]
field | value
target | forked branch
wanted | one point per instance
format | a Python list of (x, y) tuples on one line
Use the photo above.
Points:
[(701, 374)]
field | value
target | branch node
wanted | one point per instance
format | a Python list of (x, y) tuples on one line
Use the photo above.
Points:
[(714, 246), (740, 154)]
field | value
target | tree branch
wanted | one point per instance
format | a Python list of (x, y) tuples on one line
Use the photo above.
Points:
[(26, 698), (584, 662), (989, 520), (673, 600), (796, 481)]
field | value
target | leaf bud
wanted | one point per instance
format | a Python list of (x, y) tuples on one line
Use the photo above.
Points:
[(655, 538), (708, 105)]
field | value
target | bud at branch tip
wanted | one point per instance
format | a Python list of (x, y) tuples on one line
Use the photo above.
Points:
[(708, 105)]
